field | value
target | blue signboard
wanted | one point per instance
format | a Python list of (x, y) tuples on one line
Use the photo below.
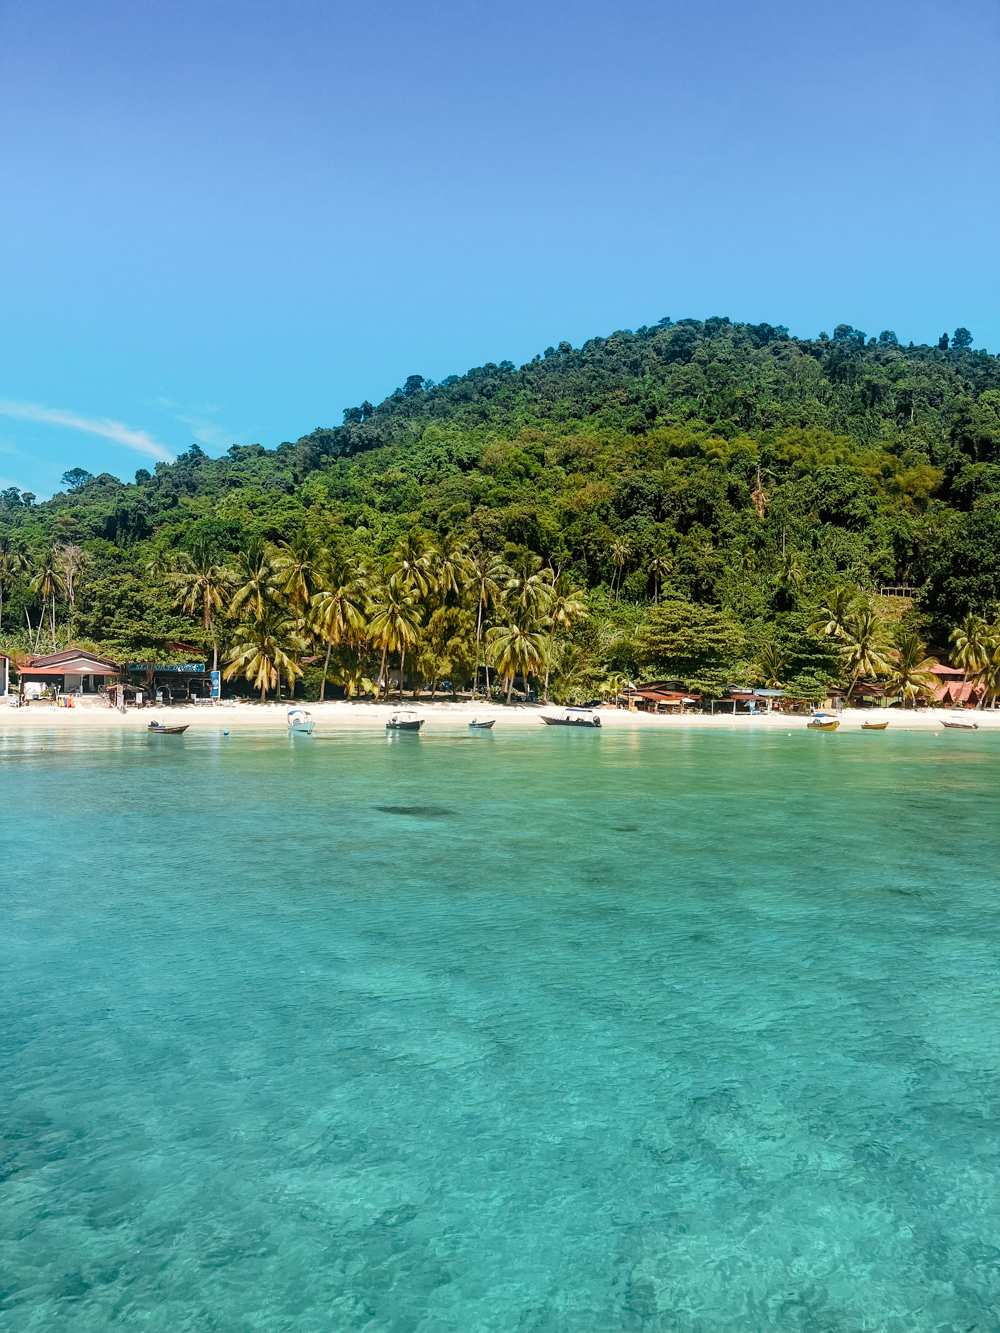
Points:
[(216, 684)]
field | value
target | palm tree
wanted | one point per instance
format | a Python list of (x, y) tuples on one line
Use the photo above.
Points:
[(515, 647), (866, 646), (161, 565), (910, 667), (613, 687), (262, 651), (746, 563), (487, 574), (201, 584), (298, 572), (989, 677), (790, 576), (256, 578), (48, 580), (565, 610), (448, 564), (770, 666), (336, 611), (973, 644), (834, 615), (410, 563), (529, 587), (621, 549), (393, 624), (13, 561), (659, 566)]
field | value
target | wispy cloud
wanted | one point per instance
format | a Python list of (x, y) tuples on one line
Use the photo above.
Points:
[(197, 419), (110, 430)]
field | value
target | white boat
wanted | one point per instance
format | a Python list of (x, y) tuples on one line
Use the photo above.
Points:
[(405, 720), (300, 722), (572, 717)]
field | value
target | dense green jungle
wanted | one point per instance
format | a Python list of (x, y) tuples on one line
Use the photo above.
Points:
[(702, 501)]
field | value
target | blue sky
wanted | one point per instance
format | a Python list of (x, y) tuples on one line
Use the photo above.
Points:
[(228, 221)]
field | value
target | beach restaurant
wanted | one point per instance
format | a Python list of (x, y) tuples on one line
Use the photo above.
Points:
[(72, 671), (660, 696), (166, 681)]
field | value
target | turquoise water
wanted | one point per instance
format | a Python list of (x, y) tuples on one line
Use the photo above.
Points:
[(523, 1031)]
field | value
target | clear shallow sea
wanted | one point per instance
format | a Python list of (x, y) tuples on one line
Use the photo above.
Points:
[(679, 1031)]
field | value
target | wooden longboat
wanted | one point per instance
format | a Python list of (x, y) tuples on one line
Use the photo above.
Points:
[(573, 717), (961, 726), (156, 729), (874, 726)]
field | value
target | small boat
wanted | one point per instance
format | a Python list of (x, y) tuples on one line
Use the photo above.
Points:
[(961, 726), (157, 729), (476, 725), (404, 721), (823, 722), (300, 722), (874, 726), (573, 717)]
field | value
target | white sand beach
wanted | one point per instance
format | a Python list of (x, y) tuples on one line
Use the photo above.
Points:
[(455, 713)]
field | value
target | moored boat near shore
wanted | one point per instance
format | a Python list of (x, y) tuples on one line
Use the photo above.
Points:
[(157, 729), (573, 717), (405, 720), (300, 722), (823, 722), (960, 726)]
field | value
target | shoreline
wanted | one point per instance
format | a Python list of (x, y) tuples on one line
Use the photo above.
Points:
[(440, 715)]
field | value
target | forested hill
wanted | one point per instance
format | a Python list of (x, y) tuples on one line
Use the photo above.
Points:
[(760, 469)]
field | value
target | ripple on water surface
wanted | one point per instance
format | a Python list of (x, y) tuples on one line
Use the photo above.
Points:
[(564, 1032)]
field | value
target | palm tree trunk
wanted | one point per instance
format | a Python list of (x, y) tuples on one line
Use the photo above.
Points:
[(479, 637), (326, 667), (383, 682), (53, 622), (510, 686), (402, 661)]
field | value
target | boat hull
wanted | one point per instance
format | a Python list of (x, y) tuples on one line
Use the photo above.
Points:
[(573, 722), (822, 726), (874, 726), (961, 726), (167, 731), (404, 726), (481, 726)]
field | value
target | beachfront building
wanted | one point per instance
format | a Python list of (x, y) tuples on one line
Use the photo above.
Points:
[(955, 688), (166, 682), (4, 675), (71, 672), (660, 696)]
